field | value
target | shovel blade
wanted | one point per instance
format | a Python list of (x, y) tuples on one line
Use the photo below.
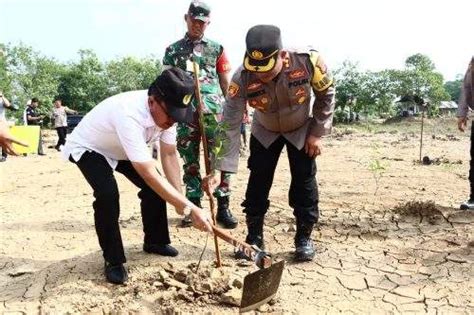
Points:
[(261, 286)]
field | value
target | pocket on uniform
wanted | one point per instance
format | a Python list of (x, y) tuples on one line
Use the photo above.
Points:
[(299, 95)]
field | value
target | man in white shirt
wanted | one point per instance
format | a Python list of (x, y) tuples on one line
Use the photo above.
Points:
[(114, 136)]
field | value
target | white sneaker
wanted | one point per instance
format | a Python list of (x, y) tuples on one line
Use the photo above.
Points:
[(467, 205)]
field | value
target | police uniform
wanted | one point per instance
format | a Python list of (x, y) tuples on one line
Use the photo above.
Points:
[(466, 102), (284, 115), (212, 60)]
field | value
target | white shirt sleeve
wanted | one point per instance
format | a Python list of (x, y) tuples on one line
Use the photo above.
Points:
[(132, 138), (168, 136)]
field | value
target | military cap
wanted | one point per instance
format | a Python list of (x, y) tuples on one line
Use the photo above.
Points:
[(263, 44), (200, 11)]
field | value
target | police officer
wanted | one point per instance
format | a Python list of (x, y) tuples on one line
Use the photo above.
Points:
[(278, 84), (214, 80), (466, 101)]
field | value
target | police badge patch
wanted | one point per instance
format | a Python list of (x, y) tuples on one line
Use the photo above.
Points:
[(233, 89), (300, 92), (254, 86), (321, 65), (298, 73)]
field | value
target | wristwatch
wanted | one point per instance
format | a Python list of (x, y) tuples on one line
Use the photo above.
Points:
[(187, 210)]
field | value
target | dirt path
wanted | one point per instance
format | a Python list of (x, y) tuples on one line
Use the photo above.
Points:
[(407, 248)]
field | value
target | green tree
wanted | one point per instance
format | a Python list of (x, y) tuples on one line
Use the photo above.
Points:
[(5, 80), (30, 74), (420, 78), (84, 84), (420, 63), (349, 80), (378, 93), (453, 88), (130, 73)]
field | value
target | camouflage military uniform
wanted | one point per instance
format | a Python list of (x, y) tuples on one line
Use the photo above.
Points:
[(208, 55)]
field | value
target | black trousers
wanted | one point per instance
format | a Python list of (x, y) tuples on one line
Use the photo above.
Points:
[(62, 133), (100, 177), (40, 144), (471, 164), (303, 194)]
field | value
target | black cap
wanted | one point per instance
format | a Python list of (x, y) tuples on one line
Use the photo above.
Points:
[(200, 11), (263, 44), (176, 87)]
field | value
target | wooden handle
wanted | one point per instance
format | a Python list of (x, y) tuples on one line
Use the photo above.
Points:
[(207, 162), (262, 259)]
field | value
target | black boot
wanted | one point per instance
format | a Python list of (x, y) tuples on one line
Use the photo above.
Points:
[(224, 217), (186, 221), (254, 236), (116, 274), (303, 243), (160, 249)]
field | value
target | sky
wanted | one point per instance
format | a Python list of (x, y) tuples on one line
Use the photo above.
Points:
[(375, 34)]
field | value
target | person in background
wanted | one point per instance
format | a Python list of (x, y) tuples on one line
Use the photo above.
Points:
[(60, 121), (114, 136), (466, 102), (4, 104), (25, 119), (34, 118), (214, 81)]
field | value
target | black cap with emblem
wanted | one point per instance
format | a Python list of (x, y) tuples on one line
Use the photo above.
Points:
[(176, 87), (263, 44)]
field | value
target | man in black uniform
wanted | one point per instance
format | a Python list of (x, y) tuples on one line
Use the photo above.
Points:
[(33, 117)]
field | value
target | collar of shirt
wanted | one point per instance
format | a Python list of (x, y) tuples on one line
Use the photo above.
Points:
[(203, 40), (149, 122)]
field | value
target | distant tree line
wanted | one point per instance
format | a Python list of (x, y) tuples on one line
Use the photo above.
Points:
[(26, 73), (374, 93)]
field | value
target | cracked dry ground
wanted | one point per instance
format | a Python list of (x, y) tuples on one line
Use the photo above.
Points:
[(407, 248)]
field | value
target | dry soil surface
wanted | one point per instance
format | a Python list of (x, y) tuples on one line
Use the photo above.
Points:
[(391, 237)]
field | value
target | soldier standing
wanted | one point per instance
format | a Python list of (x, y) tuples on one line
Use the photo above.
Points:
[(278, 84), (214, 69)]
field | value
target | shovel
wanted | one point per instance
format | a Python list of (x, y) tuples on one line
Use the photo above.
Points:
[(262, 285), (259, 286)]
